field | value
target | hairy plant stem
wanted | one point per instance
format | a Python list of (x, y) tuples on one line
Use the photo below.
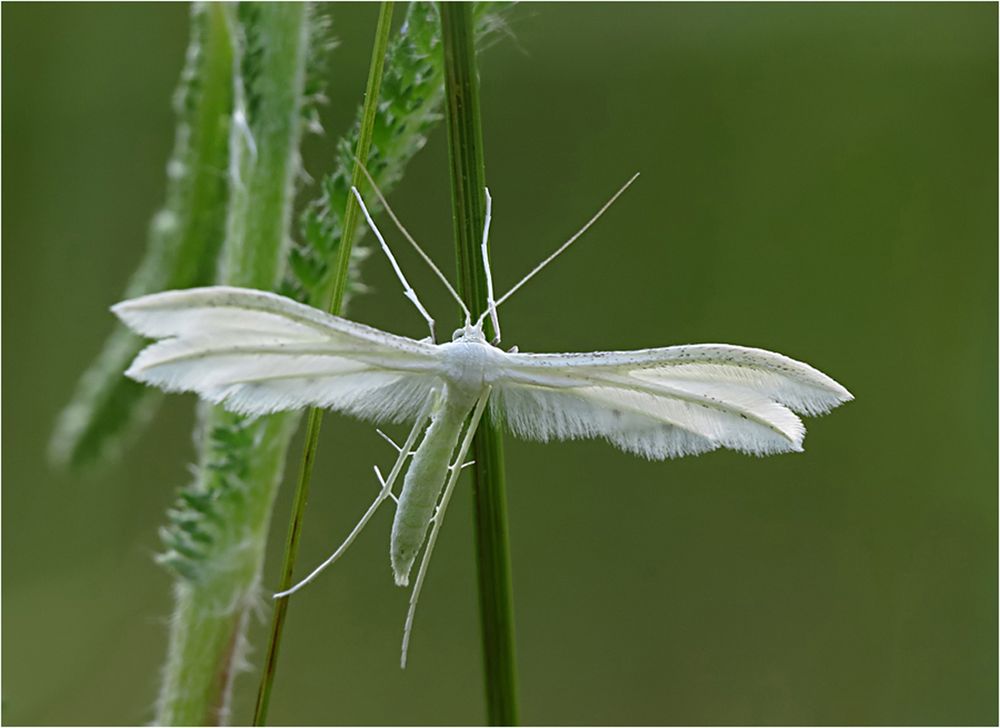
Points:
[(241, 460), (181, 250), (468, 181), (333, 303)]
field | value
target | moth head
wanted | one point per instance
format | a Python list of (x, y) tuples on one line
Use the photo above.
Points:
[(469, 332)]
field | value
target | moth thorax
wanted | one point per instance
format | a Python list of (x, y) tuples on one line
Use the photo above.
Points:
[(467, 364)]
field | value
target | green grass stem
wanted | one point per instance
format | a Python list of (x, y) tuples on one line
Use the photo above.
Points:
[(334, 302), (468, 181)]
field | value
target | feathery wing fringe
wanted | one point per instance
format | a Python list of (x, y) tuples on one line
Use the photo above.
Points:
[(667, 402)]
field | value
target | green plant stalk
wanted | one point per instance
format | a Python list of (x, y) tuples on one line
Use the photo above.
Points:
[(208, 626), (335, 298), (207, 637), (183, 243), (410, 103), (333, 303), (468, 181)]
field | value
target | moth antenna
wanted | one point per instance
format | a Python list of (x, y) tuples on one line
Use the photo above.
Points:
[(439, 519), (384, 493), (406, 234), (491, 305), (407, 288), (569, 242)]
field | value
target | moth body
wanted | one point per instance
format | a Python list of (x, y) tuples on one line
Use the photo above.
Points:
[(470, 363), (426, 477)]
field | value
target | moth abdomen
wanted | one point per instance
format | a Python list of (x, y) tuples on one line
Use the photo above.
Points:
[(424, 481)]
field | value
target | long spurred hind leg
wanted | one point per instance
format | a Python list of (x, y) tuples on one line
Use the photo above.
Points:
[(407, 288), (456, 470), (385, 485), (384, 493)]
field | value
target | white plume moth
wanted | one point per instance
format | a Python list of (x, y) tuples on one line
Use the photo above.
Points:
[(258, 353)]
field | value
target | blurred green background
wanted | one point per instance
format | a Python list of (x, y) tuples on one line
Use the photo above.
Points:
[(820, 180)]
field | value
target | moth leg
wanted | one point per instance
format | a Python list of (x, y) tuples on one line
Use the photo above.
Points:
[(451, 467), (416, 246), (407, 288), (393, 442), (384, 493), (438, 519), (385, 487), (491, 304)]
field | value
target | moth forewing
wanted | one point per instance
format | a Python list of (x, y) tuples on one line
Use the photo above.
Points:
[(785, 380), (257, 353), (666, 402)]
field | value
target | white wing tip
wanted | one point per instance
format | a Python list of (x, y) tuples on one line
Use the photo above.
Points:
[(131, 305), (838, 395), (134, 373), (125, 312)]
